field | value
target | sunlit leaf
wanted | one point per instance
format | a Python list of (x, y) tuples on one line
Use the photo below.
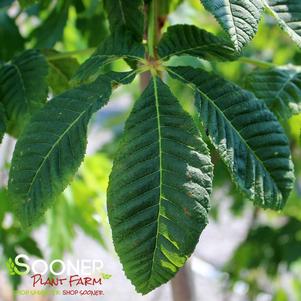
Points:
[(246, 135)]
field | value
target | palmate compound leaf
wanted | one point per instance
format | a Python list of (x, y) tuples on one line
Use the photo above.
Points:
[(128, 14), (158, 195), (191, 40), (280, 88), (120, 44), (288, 15), (239, 18), (246, 135), (23, 88), (51, 148)]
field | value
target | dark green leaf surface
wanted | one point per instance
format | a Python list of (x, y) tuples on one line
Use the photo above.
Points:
[(10, 39), (190, 40), (60, 72), (121, 78), (51, 148), (52, 29), (158, 195), (93, 24), (23, 88), (119, 45), (6, 3), (239, 18), (128, 14), (26, 3), (288, 15), (30, 246), (246, 135), (280, 88), (2, 122)]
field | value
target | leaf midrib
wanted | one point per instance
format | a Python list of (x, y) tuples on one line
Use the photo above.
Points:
[(122, 12), (22, 83), (161, 172), (294, 35), (234, 25), (58, 70), (290, 79), (55, 145)]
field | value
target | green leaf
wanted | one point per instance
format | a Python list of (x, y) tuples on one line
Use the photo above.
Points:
[(51, 148), (167, 6), (6, 3), (280, 88), (288, 15), (10, 39), (119, 45), (60, 72), (92, 21), (91, 184), (61, 228), (2, 122), (239, 18), (30, 246), (128, 14), (190, 40), (121, 78), (158, 195), (52, 29), (246, 135), (26, 3), (23, 88)]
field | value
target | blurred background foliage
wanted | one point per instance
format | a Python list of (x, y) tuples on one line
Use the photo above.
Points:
[(268, 259)]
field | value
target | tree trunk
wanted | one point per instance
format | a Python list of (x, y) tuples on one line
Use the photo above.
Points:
[(182, 285)]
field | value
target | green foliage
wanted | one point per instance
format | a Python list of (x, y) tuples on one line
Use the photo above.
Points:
[(5, 3), (92, 22), (238, 18), (12, 240), (119, 45), (79, 207), (11, 40), (91, 185), (246, 135), (61, 228), (41, 168), (266, 248), (126, 14), (25, 3), (159, 189), (51, 30), (190, 40), (23, 88), (60, 71), (280, 88), (287, 13)]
